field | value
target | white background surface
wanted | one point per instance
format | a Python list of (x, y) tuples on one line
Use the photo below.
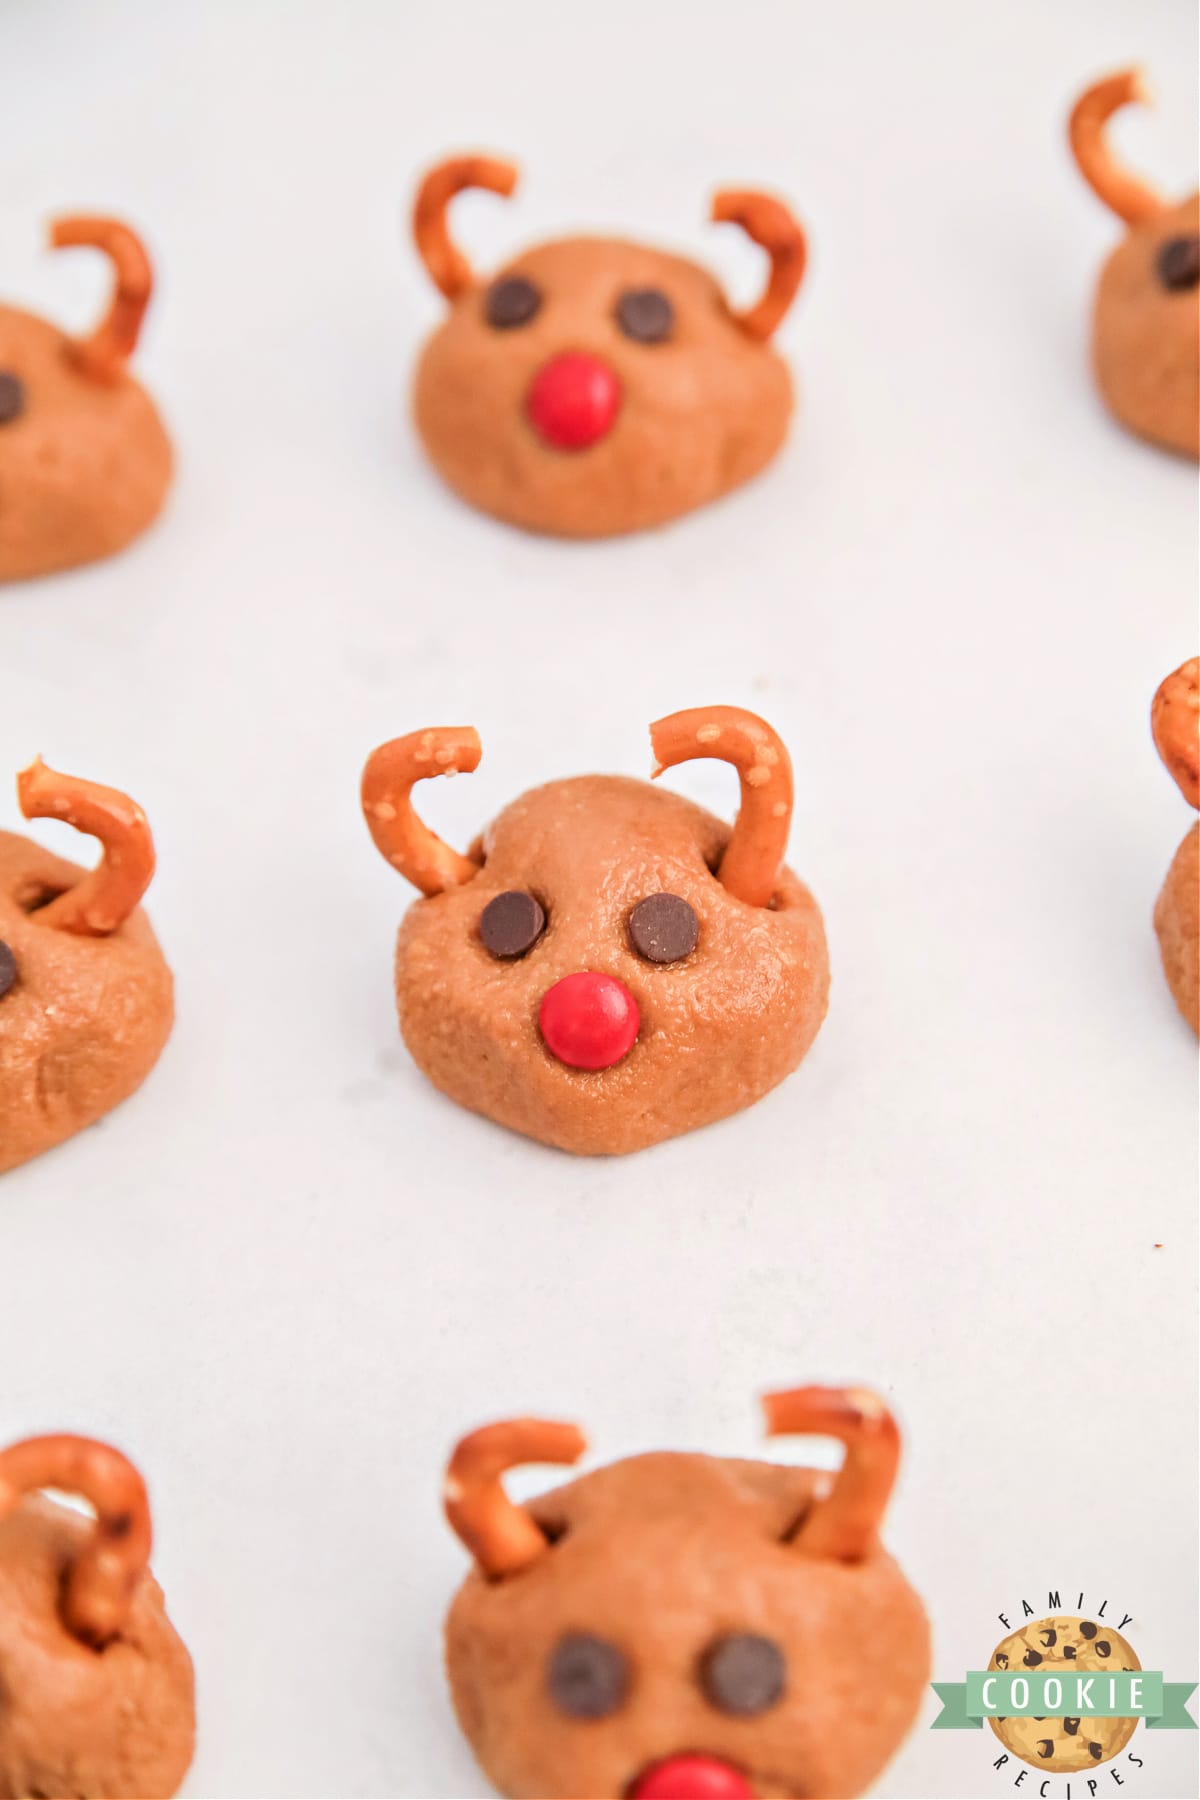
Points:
[(288, 1274)]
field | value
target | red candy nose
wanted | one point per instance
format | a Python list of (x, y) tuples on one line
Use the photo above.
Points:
[(573, 400), (589, 1021), (692, 1778)]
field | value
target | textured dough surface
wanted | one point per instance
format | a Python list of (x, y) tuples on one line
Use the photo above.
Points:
[(120, 1722), (86, 465), (87, 1018), (1177, 922), (700, 414), (1063, 1642), (718, 1030), (1146, 340), (659, 1555)]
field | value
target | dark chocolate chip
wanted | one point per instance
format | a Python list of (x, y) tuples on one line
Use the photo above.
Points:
[(743, 1674), (1103, 1647), (511, 924), (1069, 1652), (1032, 1658), (1070, 1726), (663, 928), (1049, 1638), (510, 302), (12, 397), (645, 315), (1095, 1751), (587, 1677), (1001, 1659), (1086, 1628), (8, 969), (1178, 262), (1045, 1747)]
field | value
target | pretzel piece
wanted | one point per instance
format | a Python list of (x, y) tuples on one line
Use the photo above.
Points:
[(1175, 721), (102, 1581), (503, 1537), (100, 903), (452, 274), (104, 354), (754, 855), (1131, 199)]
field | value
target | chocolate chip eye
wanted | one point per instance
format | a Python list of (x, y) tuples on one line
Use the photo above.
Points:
[(587, 1677), (8, 969), (743, 1674), (645, 315), (12, 397), (511, 923), (510, 302), (1178, 262), (663, 928)]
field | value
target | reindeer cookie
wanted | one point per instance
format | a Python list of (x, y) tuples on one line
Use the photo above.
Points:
[(96, 1689), (685, 1627), (1175, 718), (1146, 327), (596, 386), (609, 965), (85, 996), (84, 459)]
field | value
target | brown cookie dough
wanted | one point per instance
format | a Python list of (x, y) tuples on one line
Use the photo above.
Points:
[(86, 999), (1062, 1746), (1175, 720), (1146, 327), (84, 459), (597, 386), (96, 1689), (685, 1624), (534, 986)]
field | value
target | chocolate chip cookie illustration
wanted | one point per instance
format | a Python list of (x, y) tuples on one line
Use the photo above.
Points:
[(1175, 720), (96, 1688), (595, 386), (681, 1626), (1146, 324), (85, 461), (86, 998), (608, 965), (1062, 1746)]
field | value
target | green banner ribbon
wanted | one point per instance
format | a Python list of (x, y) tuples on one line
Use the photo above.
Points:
[(1064, 1693)]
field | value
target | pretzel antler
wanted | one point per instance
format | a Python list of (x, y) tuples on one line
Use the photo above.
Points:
[(387, 784), (1175, 721), (104, 354), (1131, 199), (100, 903), (502, 1537), (770, 224), (845, 1526), (751, 863), (103, 1579), (451, 271)]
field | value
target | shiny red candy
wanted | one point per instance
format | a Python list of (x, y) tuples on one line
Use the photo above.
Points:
[(589, 1021), (692, 1778), (573, 401)]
